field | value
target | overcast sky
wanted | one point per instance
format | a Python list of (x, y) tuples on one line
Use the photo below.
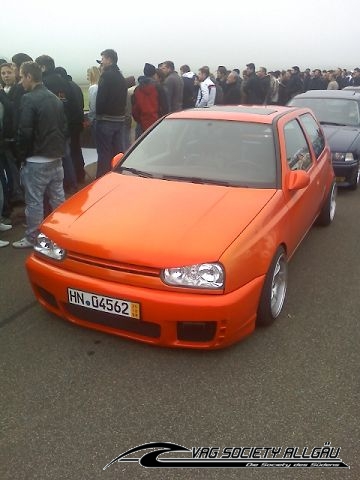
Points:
[(270, 33)]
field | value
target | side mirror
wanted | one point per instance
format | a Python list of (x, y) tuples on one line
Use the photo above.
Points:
[(297, 179), (116, 160)]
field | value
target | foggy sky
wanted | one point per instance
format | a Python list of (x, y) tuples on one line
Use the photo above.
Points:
[(275, 34)]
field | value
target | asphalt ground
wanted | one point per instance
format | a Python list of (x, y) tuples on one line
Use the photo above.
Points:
[(72, 399)]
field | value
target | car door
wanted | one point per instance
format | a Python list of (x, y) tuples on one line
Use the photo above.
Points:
[(303, 204)]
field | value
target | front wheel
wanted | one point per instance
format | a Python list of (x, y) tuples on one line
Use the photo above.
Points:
[(327, 213), (274, 290), (355, 183)]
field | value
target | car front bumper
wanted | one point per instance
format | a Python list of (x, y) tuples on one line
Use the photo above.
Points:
[(346, 173), (168, 318)]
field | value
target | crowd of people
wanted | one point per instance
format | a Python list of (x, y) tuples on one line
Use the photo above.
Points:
[(42, 117)]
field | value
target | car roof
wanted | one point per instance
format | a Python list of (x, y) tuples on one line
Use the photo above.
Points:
[(341, 94), (352, 88), (244, 113)]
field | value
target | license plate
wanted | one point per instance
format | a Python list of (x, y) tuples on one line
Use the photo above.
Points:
[(340, 179), (116, 306)]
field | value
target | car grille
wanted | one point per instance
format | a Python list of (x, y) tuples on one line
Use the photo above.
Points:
[(111, 265), (147, 329)]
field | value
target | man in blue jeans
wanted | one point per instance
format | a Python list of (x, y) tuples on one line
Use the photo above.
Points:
[(41, 146), (110, 111)]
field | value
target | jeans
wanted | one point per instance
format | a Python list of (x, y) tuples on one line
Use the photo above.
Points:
[(40, 179), (109, 142), (15, 190)]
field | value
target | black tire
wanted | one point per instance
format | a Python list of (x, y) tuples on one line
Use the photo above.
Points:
[(327, 213), (355, 183), (274, 290)]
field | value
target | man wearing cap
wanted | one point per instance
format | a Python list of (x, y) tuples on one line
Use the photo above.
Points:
[(110, 111), (149, 101)]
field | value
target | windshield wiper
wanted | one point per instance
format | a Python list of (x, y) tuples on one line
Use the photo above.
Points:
[(197, 180), (137, 172), (334, 123)]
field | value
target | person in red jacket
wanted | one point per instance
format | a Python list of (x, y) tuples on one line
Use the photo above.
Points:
[(148, 101)]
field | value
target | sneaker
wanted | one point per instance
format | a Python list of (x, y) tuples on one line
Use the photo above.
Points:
[(4, 243), (23, 243), (4, 228)]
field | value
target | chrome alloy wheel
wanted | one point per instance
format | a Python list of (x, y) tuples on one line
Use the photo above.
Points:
[(333, 202), (279, 285)]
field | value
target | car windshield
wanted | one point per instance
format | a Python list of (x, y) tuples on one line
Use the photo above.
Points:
[(333, 111), (220, 152)]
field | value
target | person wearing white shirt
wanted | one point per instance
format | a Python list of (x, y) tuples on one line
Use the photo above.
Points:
[(207, 90)]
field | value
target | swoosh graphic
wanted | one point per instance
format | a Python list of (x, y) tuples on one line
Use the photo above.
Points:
[(150, 459)]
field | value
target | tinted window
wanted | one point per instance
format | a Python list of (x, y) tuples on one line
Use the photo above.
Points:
[(297, 150), (238, 153), (314, 132)]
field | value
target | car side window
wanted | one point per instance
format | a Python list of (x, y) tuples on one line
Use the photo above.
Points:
[(297, 149), (314, 132)]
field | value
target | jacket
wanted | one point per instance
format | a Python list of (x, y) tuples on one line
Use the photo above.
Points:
[(111, 95), (189, 90), (146, 103), (174, 88), (253, 91), (232, 94), (206, 94), (42, 125), (295, 85)]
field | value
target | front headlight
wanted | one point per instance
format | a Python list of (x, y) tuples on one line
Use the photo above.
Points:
[(204, 275), (343, 157), (47, 247)]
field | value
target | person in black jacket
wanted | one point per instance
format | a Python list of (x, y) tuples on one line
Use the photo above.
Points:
[(252, 90), (295, 84), (232, 92), (110, 111), (61, 88), (317, 82), (41, 146)]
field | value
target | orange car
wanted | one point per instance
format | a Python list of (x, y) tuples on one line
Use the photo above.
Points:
[(186, 242)]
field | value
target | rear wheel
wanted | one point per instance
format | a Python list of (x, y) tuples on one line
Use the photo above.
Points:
[(327, 213), (274, 290)]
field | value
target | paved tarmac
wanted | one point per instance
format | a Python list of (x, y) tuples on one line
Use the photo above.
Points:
[(71, 399)]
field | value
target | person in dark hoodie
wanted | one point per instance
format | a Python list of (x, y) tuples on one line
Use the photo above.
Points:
[(149, 101), (110, 111), (76, 123)]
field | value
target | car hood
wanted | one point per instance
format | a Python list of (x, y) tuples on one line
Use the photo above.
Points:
[(154, 222), (341, 139)]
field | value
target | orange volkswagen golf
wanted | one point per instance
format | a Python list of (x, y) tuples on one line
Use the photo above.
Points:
[(186, 242)]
